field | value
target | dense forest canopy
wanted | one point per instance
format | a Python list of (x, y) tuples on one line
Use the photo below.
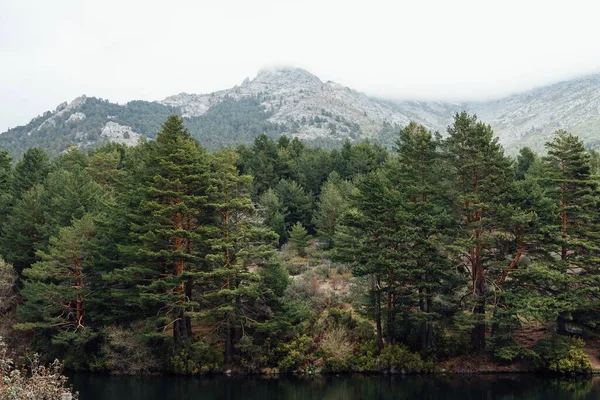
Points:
[(278, 256)]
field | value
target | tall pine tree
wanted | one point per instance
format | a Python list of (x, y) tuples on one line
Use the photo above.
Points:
[(167, 249), (482, 175)]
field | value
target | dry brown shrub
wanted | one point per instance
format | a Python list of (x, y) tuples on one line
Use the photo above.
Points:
[(125, 354), (33, 383)]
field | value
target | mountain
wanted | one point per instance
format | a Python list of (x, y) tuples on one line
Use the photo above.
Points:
[(294, 102)]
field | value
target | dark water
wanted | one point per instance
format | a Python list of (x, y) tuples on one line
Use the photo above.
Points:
[(514, 387)]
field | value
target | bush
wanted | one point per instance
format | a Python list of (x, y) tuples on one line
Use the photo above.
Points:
[(253, 356), (307, 287), (36, 382), (196, 358), (560, 354), (366, 359), (396, 358), (337, 350), (509, 351), (295, 353), (124, 353)]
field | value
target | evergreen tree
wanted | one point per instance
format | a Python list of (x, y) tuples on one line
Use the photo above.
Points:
[(167, 246), (273, 214), (30, 170), (333, 202), (299, 238), (572, 186), (67, 194), (420, 181), (228, 292), (6, 176), (525, 161), (482, 175), (297, 202), (370, 241), (23, 230), (55, 288)]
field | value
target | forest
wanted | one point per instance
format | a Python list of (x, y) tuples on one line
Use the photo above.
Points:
[(442, 254)]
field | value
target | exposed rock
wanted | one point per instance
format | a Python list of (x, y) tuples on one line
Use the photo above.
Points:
[(61, 110), (309, 108), (78, 116), (121, 134)]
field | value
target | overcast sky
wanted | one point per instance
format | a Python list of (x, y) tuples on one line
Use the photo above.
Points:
[(54, 51)]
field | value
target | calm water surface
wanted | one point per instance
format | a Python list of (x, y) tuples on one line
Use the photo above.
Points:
[(514, 387)]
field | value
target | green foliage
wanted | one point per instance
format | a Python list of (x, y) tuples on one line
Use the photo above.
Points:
[(30, 170), (273, 214), (294, 355), (243, 119), (508, 350), (55, 288), (299, 238), (162, 257), (563, 355), (196, 358), (398, 358)]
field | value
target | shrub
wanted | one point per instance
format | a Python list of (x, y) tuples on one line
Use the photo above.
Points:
[(253, 356), (366, 359), (124, 353), (396, 358), (560, 354), (196, 358), (295, 353), (36, 382), (337, 350), (509, 351)]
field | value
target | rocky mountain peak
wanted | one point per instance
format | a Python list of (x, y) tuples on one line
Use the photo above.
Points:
[(286, 76)]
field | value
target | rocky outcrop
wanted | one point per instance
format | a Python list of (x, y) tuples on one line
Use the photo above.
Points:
[(115, 133), (78, 116), (308, 108)]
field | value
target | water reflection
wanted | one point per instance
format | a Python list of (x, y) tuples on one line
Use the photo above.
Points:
[(449, 387)]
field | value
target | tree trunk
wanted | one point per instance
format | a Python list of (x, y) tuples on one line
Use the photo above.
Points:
[(390, 319), (561, 324), (377, 293), (427, 328), (228, 343), (478, 333)]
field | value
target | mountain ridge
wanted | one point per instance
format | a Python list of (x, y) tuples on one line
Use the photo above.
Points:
[(292, 101)]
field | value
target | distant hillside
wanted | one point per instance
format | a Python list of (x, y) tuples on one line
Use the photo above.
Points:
[(294, 102)]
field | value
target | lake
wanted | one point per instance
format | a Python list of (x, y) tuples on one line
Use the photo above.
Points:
[(448, 387)]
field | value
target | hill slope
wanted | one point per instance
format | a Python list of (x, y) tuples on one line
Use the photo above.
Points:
[(297, 103)]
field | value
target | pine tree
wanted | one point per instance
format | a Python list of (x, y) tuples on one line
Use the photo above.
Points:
[(55, 288), (166, 250), (30, 170), (6, 177), (482, 175), (370, 241), (273, 214), (333, 202), (22, 233), (525, 161), (572, 186), (299, 238), (420, 181), (297, 202), (229, 291)]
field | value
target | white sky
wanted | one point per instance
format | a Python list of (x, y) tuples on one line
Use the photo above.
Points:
[(54, 51)]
